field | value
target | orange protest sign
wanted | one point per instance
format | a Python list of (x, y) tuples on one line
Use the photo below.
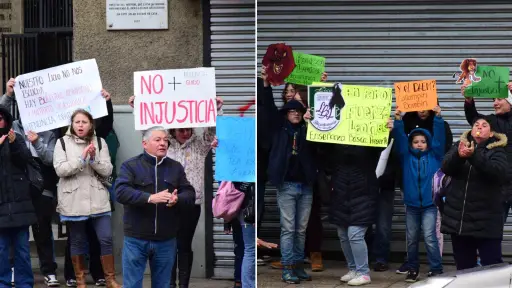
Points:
[(416, 95)]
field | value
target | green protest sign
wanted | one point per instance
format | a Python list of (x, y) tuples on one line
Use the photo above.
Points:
[(308, 69), (489, 82)]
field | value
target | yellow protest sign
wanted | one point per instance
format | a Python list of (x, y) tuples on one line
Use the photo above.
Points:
[(358, 118)]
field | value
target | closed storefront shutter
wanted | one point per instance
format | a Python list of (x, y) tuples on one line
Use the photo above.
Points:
[(378, 43), (232, 54)]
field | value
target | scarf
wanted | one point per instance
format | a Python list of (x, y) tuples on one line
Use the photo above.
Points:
[(295, 132)]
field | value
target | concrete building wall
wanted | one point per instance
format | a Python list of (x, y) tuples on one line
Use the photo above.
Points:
[(120, 53)]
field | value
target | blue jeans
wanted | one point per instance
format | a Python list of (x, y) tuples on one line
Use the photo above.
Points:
[(383, 228), (416, 220), (248, 269), (79, 240), (161, 255), (238, 238), (18, 237), (294, 201), (354, 248)]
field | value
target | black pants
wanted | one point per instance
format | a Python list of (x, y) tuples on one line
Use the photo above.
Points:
[(43, 234), (95, 267), (188, 223), (465, 251), (314, 231)]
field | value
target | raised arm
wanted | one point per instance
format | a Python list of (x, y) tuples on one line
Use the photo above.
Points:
[(439, 138), (125, 189), (400, 138), (45, 150), (470, 110), (7, 99)]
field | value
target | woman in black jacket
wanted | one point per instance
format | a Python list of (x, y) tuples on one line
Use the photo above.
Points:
[(16, 210), (473, 211)]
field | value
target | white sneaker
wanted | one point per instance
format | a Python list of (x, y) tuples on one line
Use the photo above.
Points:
[(349, 276), (51, 281), (360, 280), (12, 277)]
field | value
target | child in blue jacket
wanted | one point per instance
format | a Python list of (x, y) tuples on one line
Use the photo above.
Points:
[(421, 155)]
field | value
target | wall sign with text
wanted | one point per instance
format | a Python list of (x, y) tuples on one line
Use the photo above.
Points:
[(179, 98), (137, 14)]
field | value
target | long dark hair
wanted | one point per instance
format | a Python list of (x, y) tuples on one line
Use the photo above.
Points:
[(301, 89), (90, 134)]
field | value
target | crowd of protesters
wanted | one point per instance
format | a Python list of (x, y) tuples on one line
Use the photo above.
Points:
[(422, 151)]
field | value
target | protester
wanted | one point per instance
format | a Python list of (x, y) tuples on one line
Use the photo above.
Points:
[(16, 209), (80, 162), (246, 220), (353, 202), (420, 157), (473, 212), (149, 186), (411, 120), (503, 124), (41, 146)]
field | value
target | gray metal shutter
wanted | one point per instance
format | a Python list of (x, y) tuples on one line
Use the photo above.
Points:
[(377, 43), (232, 41)]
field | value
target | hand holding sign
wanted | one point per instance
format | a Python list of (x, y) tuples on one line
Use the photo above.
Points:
[(10, 87), (416, 95)]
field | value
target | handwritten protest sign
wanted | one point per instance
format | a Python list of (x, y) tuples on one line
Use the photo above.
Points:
[(308, 69), (359, 119), (180, 98), (492, 82), (47, 98), (235, 156), (416, 95)]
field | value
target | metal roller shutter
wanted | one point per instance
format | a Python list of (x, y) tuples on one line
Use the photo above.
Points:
[(377, 43), (232, 53)]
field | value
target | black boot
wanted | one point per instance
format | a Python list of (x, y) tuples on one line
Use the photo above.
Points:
[(185, 268)]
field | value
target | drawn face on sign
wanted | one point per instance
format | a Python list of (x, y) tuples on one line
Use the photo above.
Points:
[(279, 62)]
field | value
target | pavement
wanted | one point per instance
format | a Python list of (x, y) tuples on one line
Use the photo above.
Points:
[(330, 277), (194, 282)]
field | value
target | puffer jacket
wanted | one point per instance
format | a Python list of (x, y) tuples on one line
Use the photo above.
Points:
[(473, 204), (79, 191), (418, 167), (16, 208)]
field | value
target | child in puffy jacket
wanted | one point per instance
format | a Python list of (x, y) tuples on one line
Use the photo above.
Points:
[(420, 155)]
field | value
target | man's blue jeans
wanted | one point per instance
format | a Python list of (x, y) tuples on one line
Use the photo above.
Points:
[(354, 248), (161, 255), (294, 201), (248, 269), (418, 219), (18, 237), (382, 239)]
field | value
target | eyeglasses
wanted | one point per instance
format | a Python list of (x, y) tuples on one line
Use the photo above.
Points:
[(294, 112)]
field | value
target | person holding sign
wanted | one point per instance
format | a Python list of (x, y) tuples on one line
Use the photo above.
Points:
[(503, 118), (420, 157), (81, 159), (16, 209), (473, 212)]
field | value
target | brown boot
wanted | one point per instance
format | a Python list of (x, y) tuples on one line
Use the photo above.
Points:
[(316, 262), (79, 267), (110, 271), (276, 265)]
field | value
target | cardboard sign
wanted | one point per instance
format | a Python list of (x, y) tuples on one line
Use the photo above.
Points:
[(308, 69), (492, 82), (181, 98), (235, 156), (416, 95), (47, 98), (279, 62), (359, 119)]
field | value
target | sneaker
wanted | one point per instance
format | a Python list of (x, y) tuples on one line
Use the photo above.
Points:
[(51, 281), (289, 276), (404, 269), (101, 283), (412, 276), (261, 262), (71, 283), (349, 276), (434, 273), (12, 277), (360, 280), (380, 267), (301, 273)]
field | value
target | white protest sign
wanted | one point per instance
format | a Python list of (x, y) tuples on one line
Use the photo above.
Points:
[(180, 98), (47, 98)]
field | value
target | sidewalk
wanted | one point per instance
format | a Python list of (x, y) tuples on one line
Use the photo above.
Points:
[(194, 282), (330, 277)]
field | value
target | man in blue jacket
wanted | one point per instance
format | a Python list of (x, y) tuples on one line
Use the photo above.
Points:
[(153, 189)]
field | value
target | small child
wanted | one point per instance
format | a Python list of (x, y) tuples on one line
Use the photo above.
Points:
[(421, 155)]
